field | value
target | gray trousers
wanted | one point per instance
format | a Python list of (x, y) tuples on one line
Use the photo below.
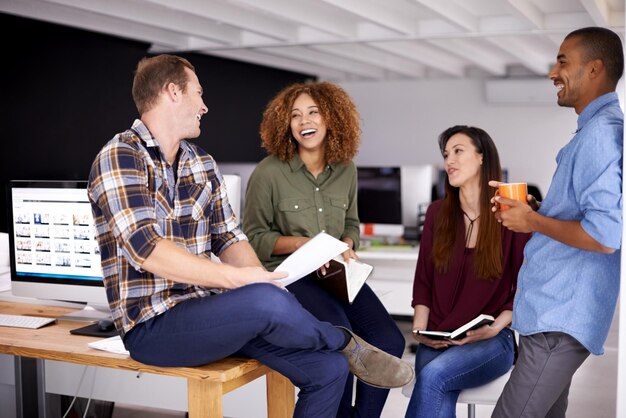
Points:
[(540, 382)]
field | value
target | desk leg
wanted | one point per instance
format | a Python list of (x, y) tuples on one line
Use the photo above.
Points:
[(281, 396), (204, 399), (30, 387)]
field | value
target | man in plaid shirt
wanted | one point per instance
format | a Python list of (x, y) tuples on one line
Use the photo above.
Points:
[(161, 208)]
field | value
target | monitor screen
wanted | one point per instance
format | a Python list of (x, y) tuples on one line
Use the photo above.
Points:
[(52, 245), (379, 195)]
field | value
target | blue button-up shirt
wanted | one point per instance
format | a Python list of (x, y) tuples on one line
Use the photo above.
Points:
[(562, 288)]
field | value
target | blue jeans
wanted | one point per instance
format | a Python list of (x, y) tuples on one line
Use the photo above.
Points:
[(259, 321), (369, 319), (442, 374)]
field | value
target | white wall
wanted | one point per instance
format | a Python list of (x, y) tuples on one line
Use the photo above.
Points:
[(402, 119)]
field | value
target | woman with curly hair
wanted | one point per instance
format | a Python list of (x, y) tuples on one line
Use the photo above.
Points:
[(307, 185)]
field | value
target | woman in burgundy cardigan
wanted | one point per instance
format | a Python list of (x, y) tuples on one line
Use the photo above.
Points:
[(467, 266)]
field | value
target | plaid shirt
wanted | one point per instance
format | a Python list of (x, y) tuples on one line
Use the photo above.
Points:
[(136, 202)]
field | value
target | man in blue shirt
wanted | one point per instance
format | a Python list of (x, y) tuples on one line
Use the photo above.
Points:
[(569, 281)]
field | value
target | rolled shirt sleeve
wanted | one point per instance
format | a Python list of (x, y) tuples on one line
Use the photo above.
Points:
[(598, 183), (119, 186)]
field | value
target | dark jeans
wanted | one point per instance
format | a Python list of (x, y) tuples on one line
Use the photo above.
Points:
[(369, 319), (259, 321)]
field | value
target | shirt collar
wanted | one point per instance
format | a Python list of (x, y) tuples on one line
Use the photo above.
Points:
[(593, 107), (144, 134), (296, 163)]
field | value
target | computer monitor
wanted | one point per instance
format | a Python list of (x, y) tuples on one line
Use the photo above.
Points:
[(379, 195), (393, 195), (417, 191), (53, 251)]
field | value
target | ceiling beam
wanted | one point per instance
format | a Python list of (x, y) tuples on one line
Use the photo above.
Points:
[(426, 55), (526, 52), (330, 60), (274, 61), (160, 17), (483, 58), (598, 10), (450, 11), (345, 39), (307, 13), (377, 58), (235, 16), (530, 12), (378, 14), (568, 21), (82, 19)]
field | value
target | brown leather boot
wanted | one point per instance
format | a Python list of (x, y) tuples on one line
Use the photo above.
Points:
[(373, 366)]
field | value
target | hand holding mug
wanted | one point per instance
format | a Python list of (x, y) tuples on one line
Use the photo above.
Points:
[(513, 191), (511, 205)]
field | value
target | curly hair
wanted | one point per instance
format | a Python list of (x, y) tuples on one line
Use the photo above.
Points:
[(343, 130)]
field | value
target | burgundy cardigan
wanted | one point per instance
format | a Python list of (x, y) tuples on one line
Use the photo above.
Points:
[(458, 296)]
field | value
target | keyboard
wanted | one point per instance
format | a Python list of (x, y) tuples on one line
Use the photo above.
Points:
[(23, 321)]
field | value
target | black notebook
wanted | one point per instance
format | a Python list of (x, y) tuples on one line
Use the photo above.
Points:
[(477, 322), (344, 280)]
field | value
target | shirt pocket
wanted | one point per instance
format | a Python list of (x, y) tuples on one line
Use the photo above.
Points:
[(201, 199), (163, 207), (336, 216), (297, 216), (195, 219)]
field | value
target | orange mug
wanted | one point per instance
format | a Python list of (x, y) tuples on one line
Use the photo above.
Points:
[(513, 191)]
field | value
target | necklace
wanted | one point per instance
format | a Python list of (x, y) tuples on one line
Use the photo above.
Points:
[(470, 228)]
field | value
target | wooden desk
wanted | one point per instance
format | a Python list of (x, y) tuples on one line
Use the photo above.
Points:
[(205, 384)]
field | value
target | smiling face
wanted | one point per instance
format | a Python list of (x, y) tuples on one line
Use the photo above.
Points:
[(307, 124), (192, 106), (569, 75), (462, 161)]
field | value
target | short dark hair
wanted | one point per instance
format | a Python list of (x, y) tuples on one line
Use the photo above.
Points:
[(604, 44)]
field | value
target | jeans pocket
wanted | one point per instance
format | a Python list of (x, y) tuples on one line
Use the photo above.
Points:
[(552, 340)]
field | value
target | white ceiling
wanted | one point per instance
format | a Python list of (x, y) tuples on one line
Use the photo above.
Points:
[(346, 39)]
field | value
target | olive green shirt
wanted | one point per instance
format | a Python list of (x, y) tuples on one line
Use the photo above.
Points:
[(284, 199)]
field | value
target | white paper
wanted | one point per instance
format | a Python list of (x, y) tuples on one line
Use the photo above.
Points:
[(311, 256), (112, 345), (357, 272)]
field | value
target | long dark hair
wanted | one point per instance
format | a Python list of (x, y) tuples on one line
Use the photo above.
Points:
[(488, 254)]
